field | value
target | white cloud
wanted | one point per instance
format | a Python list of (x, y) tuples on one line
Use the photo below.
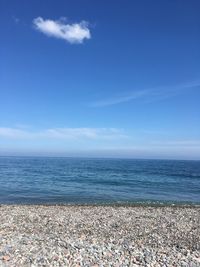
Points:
[(72, 33), (63, 133)]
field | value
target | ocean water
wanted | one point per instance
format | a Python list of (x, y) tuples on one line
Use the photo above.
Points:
[(34, 180)]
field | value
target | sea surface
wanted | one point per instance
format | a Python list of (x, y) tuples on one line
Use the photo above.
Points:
[(35, 180)]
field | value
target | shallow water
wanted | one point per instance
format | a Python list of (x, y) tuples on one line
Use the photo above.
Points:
[(33, 180)]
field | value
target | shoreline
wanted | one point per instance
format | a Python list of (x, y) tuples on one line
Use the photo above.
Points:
[(77, 235), (122, 205)]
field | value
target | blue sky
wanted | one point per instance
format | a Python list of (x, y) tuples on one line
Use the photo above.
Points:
[(100, 78)]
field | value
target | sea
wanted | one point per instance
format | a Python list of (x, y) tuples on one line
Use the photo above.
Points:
[(49, 180)]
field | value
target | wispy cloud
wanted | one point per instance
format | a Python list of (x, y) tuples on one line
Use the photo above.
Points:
[(16, 20), (63, 133), (14, 133), (120, 99), (147, 95), (177, 143), (72, 33)]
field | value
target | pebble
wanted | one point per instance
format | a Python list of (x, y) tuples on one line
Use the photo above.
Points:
[(99, 236)]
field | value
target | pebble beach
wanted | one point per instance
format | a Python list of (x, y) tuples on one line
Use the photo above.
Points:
[(39, 235)]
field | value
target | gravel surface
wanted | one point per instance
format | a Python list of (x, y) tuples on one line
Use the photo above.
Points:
[(99, 236)]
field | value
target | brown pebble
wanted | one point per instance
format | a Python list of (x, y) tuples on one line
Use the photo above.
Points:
[(6, 258)]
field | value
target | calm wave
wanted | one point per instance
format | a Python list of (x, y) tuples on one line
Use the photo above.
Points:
[(69, 180)]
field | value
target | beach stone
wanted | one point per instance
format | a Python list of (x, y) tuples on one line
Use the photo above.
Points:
[(6, 258), (99, 236)]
